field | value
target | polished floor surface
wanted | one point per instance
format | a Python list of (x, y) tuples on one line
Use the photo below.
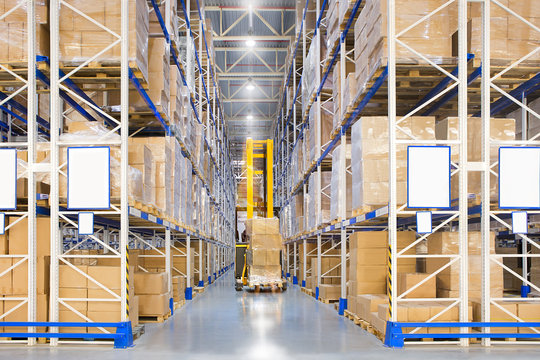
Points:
[(224, 324)]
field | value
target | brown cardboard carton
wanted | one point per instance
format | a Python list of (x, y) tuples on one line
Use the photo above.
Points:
[(329, 292), (6, 285), (70, 316), (382, 312), (498, 315), (153, 305), (529, 312), (108, 276), (103, 305), (20, 276), (134, 311), (369, 303), (103, 316), (20, 314), (18, 236), (407, 280), (71, 278), (74, 293), (150, 283)]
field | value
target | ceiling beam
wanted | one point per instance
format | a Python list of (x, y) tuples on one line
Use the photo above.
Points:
[(256, 38)]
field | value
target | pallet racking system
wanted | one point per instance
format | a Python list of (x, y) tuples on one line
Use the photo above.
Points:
[(124, 225), (443, 85)]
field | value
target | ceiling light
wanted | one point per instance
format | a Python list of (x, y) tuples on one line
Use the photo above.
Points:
[(250, 42), (249, 117), (250, 85)]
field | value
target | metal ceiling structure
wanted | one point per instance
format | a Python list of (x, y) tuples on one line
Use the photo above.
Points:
[(250, 74)]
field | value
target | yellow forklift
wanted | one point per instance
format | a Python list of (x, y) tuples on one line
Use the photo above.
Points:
[(255, 149)]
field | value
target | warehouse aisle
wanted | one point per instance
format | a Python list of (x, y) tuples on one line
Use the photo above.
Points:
[(224, 324)]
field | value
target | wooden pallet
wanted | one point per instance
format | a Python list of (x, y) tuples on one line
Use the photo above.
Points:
[(153, 318), (328, 301), (138, 331), (179, 304)]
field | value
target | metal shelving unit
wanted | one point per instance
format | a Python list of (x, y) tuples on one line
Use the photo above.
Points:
[(455, 80), (121, 227)]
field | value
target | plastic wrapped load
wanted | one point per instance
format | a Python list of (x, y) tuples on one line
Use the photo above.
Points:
[(326, 124), (81, 39), (347, 88), (88, 131), (500, 129), (336, 191), (263, 256), (369, 159), (313, 220)]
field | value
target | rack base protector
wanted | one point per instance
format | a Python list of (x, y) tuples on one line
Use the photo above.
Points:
[(123, 338), (395, 337)]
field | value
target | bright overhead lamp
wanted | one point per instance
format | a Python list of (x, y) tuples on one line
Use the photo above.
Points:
[(249, 117), (250, 42), (250, 85)]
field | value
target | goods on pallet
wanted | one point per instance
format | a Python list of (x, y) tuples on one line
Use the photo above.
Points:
[(330, 275), (14, 31), (500, 129), (179, 264), (81, 40), (309, 83), (297, 214), (369, 261), (347, 89), (336, 191), (313, 219), (369, 159), (158, 78), (499, 312), (152, 290), (179, 288), (263, 255), (447, 243), (310, 251), (101, 284), (325, 130)]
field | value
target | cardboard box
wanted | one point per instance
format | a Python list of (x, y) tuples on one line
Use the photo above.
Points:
[(18, 236), (74, 293), (6, 281), (70, 316), (150, 283), (408, 280), (70, 278), (103, 316), (153, 305), (20, 276), (329, 292), (21, 313)]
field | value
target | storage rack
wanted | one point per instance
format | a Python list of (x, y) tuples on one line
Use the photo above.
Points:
[(123, 226), (451, 87)]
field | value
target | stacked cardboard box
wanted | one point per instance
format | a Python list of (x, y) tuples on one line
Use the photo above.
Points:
[(179, 288), (14, 31), (369, 260), (500, 129), (81, 40), (347, 89), (447, 243), (369, 159), (179, 264), (431, 37), (336, 192), (14, 283), (331, 269), (511, 38), (263, 256), (141, 158), (313, 220), (153, 292), (310, 16), (158, 78), (310, 250), (332, 31), (326, 124)]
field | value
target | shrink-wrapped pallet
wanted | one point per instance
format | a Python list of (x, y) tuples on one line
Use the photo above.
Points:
[(263, 255), (336, 191), (81, 39)]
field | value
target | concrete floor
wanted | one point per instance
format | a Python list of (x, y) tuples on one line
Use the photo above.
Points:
[(224, 324)]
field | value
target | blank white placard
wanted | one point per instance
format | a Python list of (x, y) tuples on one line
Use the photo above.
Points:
[(2, 223), (86, 223), (424, 224), (8, 179), (428, 176), (519, 178), (88, 178), (519, 222)]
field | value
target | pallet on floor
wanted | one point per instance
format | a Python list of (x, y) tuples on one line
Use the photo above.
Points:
[(179, 304), (328, 301), (154, 318)]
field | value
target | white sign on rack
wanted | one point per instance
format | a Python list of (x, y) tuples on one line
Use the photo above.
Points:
[(428, 176), (86, 223), (88, 178), (8, 180), (519, 177), (520, 222), (2, 223)]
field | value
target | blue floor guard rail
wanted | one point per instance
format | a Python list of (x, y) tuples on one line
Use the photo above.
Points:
[(395, 336), (123, 338)]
